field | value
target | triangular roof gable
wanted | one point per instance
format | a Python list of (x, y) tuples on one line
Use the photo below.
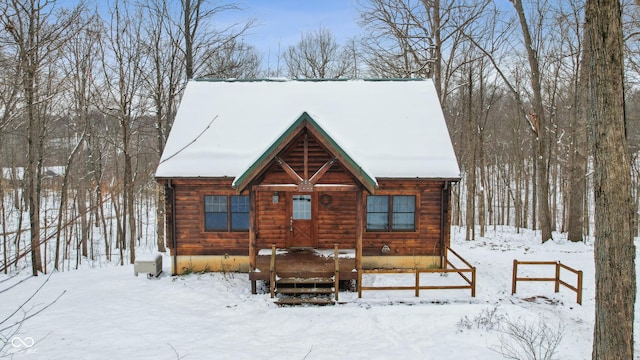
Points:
[(305, 121)]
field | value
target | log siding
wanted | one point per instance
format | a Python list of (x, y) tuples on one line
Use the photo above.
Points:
[(335, 217)]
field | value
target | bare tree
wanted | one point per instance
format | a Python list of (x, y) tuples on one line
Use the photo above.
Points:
[(538, 121), (35, 32), (578, 149), (318, 56), (200, 37), (614, 248), (80, 58), (124, 65), (164, 82), (403, 35), (234, 59), (417, 38)]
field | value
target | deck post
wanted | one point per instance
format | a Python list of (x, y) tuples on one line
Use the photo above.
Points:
[(579, 292), (514, 276), (359, 231), (557, 282), (473, 280), (272, 271), (252, 237), (337, 270)]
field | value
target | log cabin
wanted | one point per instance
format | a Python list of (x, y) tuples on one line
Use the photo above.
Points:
[(361, 166)]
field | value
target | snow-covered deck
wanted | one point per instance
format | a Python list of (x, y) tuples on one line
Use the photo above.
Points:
[(305, 263)]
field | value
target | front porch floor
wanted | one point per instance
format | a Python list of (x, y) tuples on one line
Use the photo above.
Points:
[(305, 263)]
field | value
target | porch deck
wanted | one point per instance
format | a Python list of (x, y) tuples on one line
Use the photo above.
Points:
[(305, 263)]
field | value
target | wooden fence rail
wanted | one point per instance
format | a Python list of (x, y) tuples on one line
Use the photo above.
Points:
[(471, 281), (556, 279)]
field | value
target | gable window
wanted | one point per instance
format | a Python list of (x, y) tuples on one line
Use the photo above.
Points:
[(226, 213), (391, 213)]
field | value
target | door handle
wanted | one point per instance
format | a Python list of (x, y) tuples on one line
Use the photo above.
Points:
[(291, 224)]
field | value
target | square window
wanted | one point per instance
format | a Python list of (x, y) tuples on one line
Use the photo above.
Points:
[(215, 221), (215, 213), (378, 213), (240, 209), (404, 213)]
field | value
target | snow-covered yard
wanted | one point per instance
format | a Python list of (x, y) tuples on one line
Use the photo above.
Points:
[(108, 313)]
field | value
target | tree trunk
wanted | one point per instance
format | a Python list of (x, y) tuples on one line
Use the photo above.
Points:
[(578, 166), (85, 226), (131, 209), (539, 125), (160, 213), (33, 177), (188, 39), (470, 161), (614, 249), (5, 238), (437, 49)]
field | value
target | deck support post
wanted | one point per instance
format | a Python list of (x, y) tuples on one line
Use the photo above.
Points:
[(337, 270), (359, 231), (272, 271), (252, 237)]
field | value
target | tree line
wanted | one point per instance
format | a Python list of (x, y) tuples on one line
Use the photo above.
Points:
[(540, 97), (94, 91)]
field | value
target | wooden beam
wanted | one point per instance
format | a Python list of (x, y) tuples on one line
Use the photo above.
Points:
[(359, 231), (296, 187), (336, 187), (294, 175), (323, 170), (275, 187), (357, 172), (306, 157)]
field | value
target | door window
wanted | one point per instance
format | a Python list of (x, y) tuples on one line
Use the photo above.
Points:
[(302, 207)]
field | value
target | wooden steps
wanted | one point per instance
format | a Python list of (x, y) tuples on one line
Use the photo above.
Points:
[(305, 281), (300, 291), (304, 301), (311, 290)]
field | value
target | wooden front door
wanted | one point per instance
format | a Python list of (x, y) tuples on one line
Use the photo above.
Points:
[(301, 223)]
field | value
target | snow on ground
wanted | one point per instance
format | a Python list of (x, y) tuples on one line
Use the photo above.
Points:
[(108, 313)]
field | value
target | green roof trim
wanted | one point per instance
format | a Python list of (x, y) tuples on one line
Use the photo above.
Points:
[(241, 181)]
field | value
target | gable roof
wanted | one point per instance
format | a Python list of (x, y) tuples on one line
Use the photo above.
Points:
[(305, 121), (389, 128)]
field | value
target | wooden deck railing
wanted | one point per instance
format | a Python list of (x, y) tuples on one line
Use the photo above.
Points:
[(471, 282), (556, 279)]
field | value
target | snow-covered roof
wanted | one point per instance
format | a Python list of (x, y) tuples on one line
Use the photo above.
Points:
[(391, 128)]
